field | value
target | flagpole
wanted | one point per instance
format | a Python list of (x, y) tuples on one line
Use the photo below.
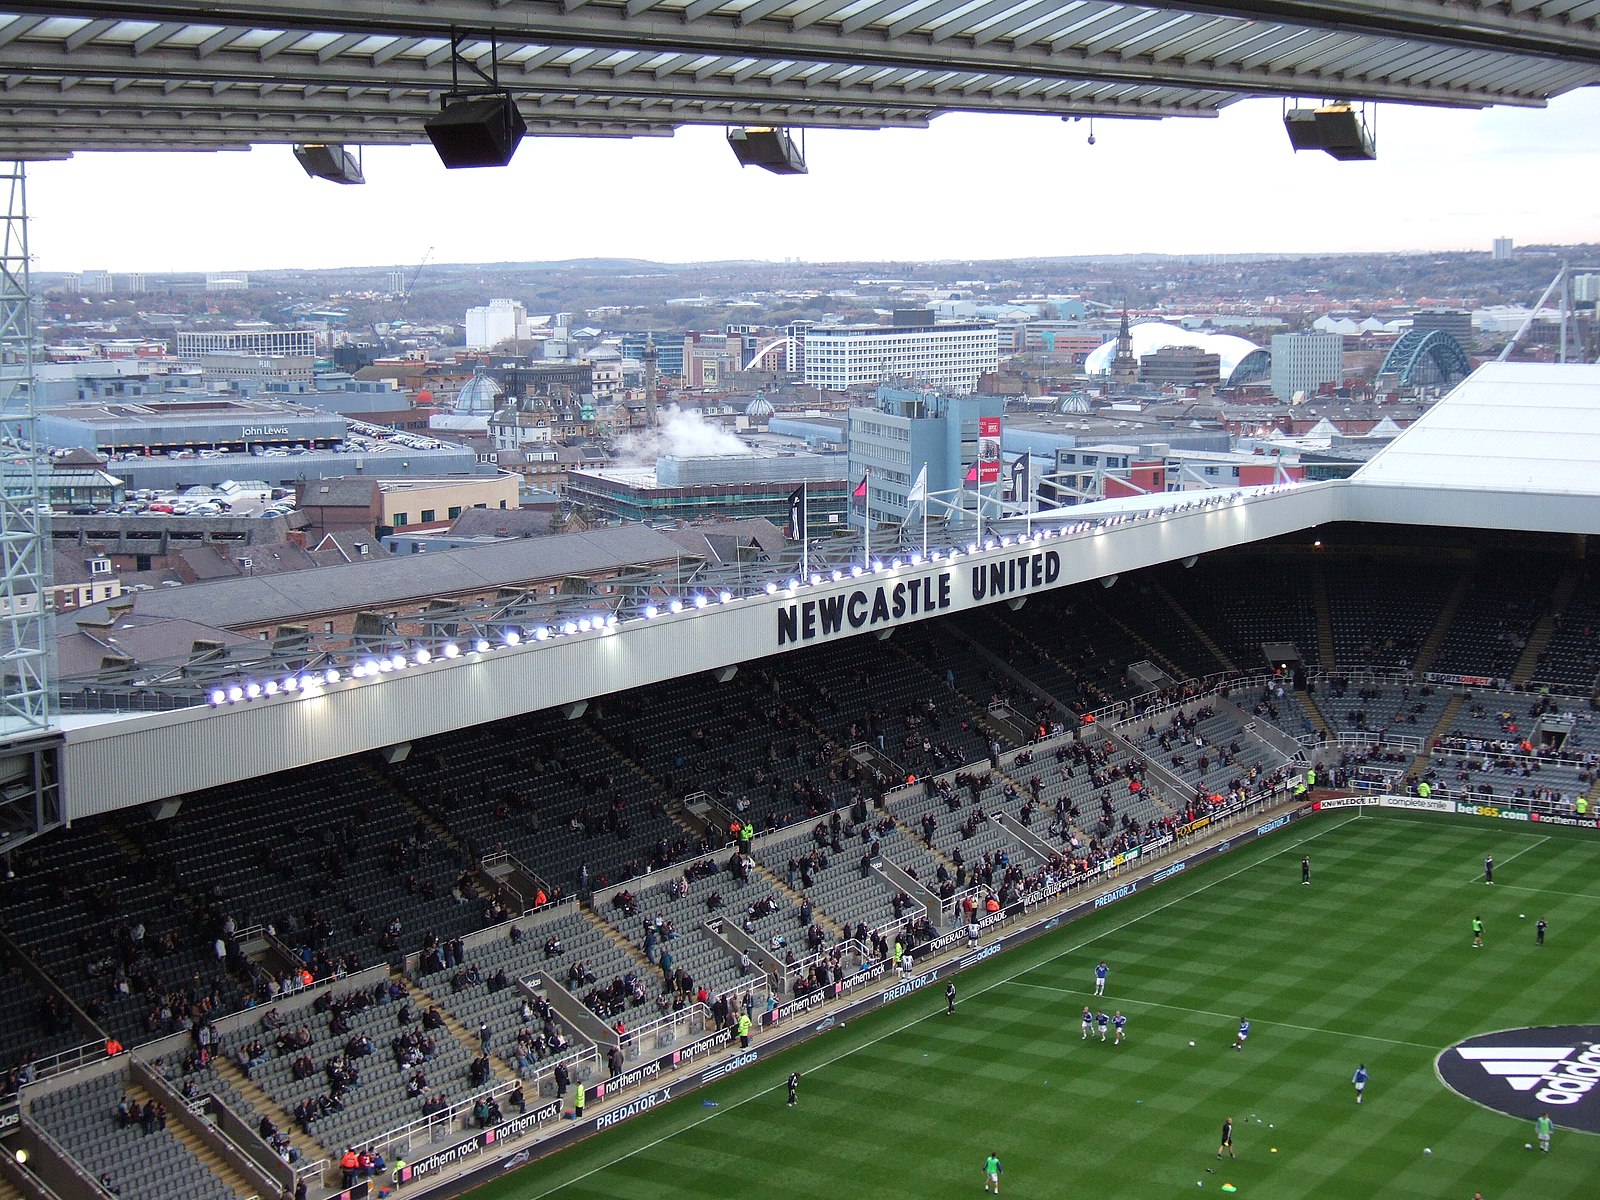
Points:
[(805, 539), (867, 515)]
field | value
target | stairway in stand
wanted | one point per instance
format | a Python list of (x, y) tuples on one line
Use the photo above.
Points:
[(237, 1183), (1194, 626), (1442, 726), (1545, 628), (1319, 599), (423, 999), (262, 1105), (1447, 616)]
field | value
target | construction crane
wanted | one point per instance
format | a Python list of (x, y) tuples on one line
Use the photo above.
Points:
[(402, 300), (405, 292)]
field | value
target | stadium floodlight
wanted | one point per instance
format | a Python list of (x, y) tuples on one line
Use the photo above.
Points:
[(894, 564), (291, 683), (481, 645), (512, 637), (772, 588), (676, 606), (424, 656), (399, 662), (270, 687), (451, 650), (701, 601), (651, 612), (793, 584), (542, 634), (218, 697), (770, 147), (837, 574), (725, 596), (331, 675), (570, 627), (235, 694), (584, 624), (252, 690), (855, 570), (322, 160)]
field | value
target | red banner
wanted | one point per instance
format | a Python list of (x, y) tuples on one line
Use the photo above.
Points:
[(988, 450)]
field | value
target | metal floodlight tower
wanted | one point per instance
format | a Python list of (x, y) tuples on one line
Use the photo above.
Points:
[(27, 705)]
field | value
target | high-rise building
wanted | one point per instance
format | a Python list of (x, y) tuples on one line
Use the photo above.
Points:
[(1502, 248), (947, 358), (1303, 362), (96, 283), (135, 282), (905, 430), (1456, 322), (498, 321), (395, 282), (1586, 289)]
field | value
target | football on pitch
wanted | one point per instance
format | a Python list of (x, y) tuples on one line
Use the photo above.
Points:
[(1191, 1043)]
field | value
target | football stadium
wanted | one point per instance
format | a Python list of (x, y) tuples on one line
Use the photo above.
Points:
[(556, 895), (1237, 839)]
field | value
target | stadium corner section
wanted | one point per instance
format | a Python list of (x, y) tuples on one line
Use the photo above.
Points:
[(481, 1156)]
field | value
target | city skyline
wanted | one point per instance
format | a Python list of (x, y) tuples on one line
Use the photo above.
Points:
[(968, 187)]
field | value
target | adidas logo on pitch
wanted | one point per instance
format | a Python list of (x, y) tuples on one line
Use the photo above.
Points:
[(1527, 1067), (1524, 1072)]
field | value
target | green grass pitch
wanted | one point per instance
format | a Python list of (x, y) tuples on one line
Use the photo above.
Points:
[(1372, 963)]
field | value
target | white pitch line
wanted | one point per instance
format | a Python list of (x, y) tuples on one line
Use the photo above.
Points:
[(667, 1137), (1521, 852), (1202, 1012), (1517, 887)]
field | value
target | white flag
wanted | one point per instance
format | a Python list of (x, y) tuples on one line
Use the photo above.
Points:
[(919, 489)]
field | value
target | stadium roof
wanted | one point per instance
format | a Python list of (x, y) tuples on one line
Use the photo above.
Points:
[(177, 74), (1523, 427)]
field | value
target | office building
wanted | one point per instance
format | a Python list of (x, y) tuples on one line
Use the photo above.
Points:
[(1503, 248), (948, 358), (903, 431), (271, 343), (1454, 321), (1303, 362), (1181, 366), (729, 486)]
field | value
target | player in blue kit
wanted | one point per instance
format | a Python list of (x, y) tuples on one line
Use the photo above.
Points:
[(1244, 1032), (1088, 1022), (1103, 1021), (1120, 1024), (1100, 974)]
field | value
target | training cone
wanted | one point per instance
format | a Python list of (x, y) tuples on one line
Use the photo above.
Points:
[(1228, 1187)]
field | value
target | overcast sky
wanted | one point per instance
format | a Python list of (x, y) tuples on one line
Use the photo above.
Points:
[(966, 187)]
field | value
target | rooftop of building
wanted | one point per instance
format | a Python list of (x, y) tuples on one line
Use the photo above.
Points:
[(166, 408), (256, 600)]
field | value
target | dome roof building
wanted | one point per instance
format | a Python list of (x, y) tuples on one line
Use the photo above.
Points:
[(1242, 360)]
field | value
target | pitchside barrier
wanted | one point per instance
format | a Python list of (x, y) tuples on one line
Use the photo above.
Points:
[(792, 1022), (1533, 813)]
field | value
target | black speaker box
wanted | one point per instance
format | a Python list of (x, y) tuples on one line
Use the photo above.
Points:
[(479, 132), (1301, 124), (1342, 134)]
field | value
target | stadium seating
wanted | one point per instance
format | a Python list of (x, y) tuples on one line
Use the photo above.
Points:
[(142, 1165), (330, 855)]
